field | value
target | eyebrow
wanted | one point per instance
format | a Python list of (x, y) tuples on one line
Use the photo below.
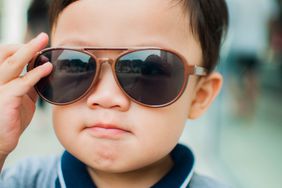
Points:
[(83, 43), (74, 42)]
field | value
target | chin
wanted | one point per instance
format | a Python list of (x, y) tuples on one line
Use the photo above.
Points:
[(112, 167)]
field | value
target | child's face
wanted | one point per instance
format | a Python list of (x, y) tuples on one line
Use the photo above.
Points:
[(136, 136)]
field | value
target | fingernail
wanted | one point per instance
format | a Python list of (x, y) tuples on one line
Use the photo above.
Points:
[(47, 64), (40, 36)]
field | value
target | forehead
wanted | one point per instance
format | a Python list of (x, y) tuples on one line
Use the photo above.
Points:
[(119, 20), (159, 23)]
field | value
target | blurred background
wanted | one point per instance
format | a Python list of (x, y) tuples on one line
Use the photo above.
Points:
[(239, 140)]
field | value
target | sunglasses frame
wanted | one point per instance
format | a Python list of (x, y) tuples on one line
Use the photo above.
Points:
[(188, 69)]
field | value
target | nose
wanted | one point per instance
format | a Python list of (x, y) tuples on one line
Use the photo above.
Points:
[(106, 92)]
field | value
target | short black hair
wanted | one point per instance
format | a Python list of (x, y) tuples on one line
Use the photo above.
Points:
[(209, 23), (37, 16), (208, 20)]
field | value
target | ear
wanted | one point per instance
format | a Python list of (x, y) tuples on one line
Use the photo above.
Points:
[(206, 91)]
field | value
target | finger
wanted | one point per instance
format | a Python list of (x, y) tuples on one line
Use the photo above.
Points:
[(22, 86), (8, 50), (32, 95), (14, 65)]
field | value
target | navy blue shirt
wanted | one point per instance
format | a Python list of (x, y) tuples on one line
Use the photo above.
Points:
[(74, 172)]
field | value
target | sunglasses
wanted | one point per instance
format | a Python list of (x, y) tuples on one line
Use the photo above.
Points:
[(149, 76)]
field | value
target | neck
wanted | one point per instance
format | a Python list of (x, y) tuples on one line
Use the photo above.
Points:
[(146, 176)]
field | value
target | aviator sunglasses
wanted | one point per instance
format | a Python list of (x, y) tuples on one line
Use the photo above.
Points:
[(149, 76)]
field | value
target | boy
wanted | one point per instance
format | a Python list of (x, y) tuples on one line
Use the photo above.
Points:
[(118, 78)]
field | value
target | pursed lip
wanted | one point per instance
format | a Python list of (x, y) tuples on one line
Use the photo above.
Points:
[(106, 130)]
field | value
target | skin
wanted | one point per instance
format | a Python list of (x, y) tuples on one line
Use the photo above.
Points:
[(141, 149)]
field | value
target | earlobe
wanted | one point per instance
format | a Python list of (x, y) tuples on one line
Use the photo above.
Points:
[(205, 92)]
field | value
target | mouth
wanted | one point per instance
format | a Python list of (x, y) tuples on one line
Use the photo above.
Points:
[(107, 131)]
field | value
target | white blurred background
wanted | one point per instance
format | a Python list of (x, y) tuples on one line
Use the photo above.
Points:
[(239, 140)]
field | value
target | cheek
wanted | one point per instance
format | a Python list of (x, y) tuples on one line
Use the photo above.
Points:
[(64, 122), (161, 127), (158, 130), (168, 122)]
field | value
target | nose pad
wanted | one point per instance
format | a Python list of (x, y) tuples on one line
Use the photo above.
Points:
[(102, 62)]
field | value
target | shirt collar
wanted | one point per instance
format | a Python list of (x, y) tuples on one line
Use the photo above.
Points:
[(72, 173)]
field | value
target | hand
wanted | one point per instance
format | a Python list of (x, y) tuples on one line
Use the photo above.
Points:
[(17, 96)]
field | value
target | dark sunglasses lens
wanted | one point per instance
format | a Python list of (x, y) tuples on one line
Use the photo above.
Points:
[(152, 77), (72, 74)]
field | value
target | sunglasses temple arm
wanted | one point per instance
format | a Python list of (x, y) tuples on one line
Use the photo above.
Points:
[(199, 71)]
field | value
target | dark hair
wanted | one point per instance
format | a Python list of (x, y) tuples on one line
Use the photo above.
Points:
[(37, 17), (208, 20)]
